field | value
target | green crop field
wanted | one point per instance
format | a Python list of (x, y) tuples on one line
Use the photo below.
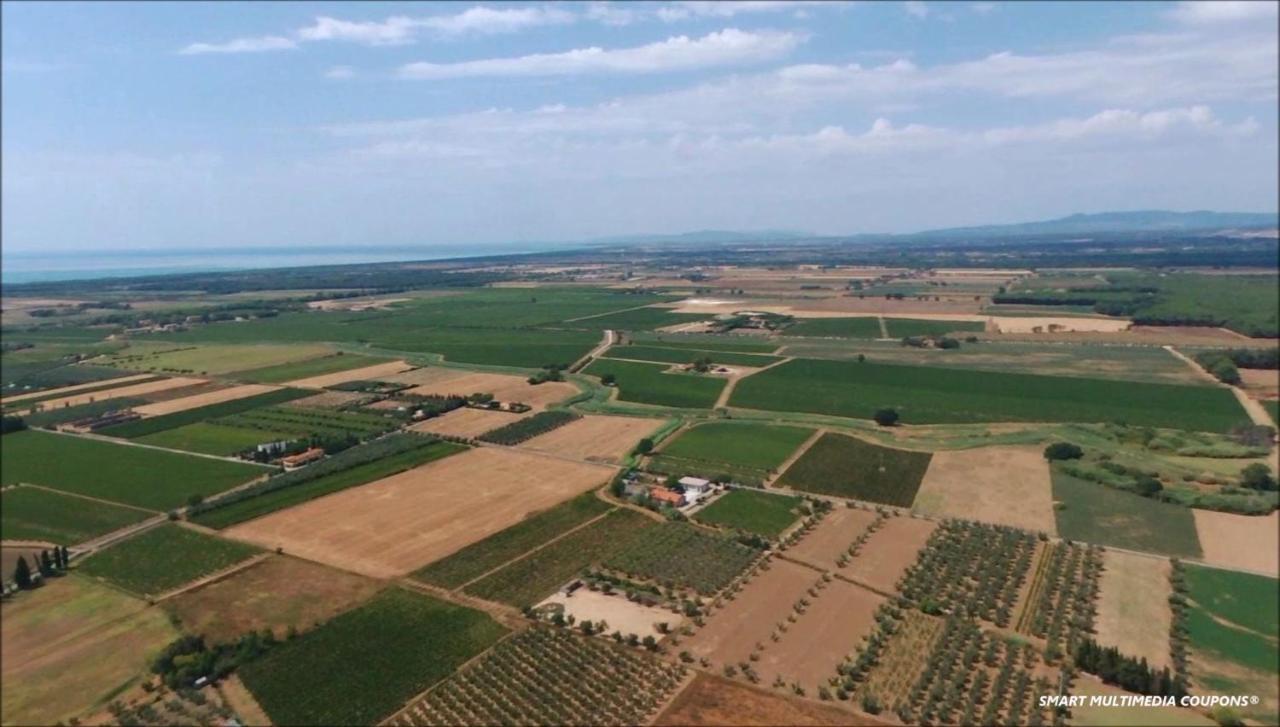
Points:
[(1095, 513), (325, 477), (307, 368), (103, 386), (935, 395), (705, 342), (1231, 644), (139, 476), (530, 579), (365, 664), (27, 377), (861, 327), (303, 421), (213, 438), (1248, 600), (660, 354), (848, 467), (30, 513), (906, 327), (678, 554), (644, 383), (525, 429), (756, 446), (1273, 408), (757, 512), (161, 559), (640, 319), (479, 558), (218, 359), (53, 417), (143, 427)]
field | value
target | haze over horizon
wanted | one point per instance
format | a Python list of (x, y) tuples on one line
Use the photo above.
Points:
[(159, 125)]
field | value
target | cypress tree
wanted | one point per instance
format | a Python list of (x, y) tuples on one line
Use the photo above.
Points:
[(22, 573), (45, 564)]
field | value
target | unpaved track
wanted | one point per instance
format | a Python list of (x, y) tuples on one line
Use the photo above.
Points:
[(786, 464)]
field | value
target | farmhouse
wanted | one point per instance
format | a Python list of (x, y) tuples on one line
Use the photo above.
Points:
[(294, 461), (665, 496), (695, 488)]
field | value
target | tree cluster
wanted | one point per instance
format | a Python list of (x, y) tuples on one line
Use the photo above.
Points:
[(1134, 675)]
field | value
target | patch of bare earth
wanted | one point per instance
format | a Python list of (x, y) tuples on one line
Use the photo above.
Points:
[(1133, 606), (277, 593), (594, 438), (622, 615), (716, 702), (364, 373), (888, 552), (1240, 541), (732, 631), (329, 400), (467, 422), (242, 702), (400, 523), (503, 387), (118, 392), (1001, 485), (824, 544), (199, 400), (834, 622), (65, 390)]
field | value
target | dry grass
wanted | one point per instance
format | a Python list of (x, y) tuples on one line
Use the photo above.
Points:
[(732, 632), (119, 392), (1133, 606), (715, 702), (604, 439), (889, 551), (824, 544), (400, 523), (502, 386), (377, 371), (205, 399), (65, 390), (1240, 541), (1001, 485), (468, 422), (329, 400)]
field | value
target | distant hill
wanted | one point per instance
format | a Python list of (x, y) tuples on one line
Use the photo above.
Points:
[(1139, 221), (706, 236)]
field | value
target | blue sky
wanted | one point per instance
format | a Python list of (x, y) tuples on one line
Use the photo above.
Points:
[(154, 125)]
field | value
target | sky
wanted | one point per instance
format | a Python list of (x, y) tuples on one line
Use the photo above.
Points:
[(190, 125)]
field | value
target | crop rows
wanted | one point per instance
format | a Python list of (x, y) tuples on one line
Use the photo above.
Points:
[(970, 568), (1062, 602), (528, 428), (310, 421), (679, 555), (550, 676)]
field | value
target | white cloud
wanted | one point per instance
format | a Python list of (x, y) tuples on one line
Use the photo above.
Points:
[(392, 31), (339, 73), (1124, 123), (242, 45), (677, 11), (612, 13), (982, 8), (727, 47), (916, 9), (1225, 11), (486, 20)]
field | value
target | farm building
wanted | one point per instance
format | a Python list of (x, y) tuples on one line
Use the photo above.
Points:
[(295, 461), (665, 496), (695, 488)]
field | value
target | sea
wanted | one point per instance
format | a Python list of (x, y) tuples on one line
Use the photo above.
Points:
[(30, 267)]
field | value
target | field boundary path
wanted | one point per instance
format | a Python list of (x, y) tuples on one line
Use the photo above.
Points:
[(1256, 412), (508, 616), (528, 553), (727, 391), (884, 327), (786, 463), (131, 443), (420, 696), (92, 546), (213, 577), (98, 500), (605, 342)]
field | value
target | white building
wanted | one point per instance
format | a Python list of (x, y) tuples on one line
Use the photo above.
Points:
[(695, 488)]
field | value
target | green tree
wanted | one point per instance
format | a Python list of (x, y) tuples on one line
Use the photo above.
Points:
[(45, 564), (644, 446), (1257, 476), (885, 417), (1062, 450), (609, 380), (22, 573)]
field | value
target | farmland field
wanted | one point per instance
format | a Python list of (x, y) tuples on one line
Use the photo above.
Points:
[(719, 702), (684, 556), (766, 599), (936, 395), (848, 467), (128, 390), (138, 476), (162, 558), (324, 364), (277, 593), (644, 383), (395, 525), (757, 512), (214, 360), (822, 546), (1240, 541), (640, 319), (709, 342), (203, 399), (213, 438), (1133, 607), (479, 558), (1247, 600), (31, 513), (593, 438), (861, 327), (526, 581), (143, 427), (1095, 513), (688, 355), (1002, 485), (906, 327), (70, 646), (529, 427), (889, 552), (362, 665), (755, 446)]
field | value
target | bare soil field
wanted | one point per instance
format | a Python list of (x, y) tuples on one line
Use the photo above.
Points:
[(1261, 383), (66, 647), (119, 392), (831, 537), (1046, 324), (1240, 541), (275, 594), (889, 551), (731, 633), (622, 615), (593, 438), (242, 702), (833, 624), (427, 375), (355, 304), (400, 523), (377, 371), (503, 387), (205, 399), (329, 400), (1141, 335), (1000, 485), (467, 422), (717, 702), (1133, 606), (839, 307), (62, 391)]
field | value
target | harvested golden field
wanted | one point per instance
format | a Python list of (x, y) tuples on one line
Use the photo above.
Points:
[(594, 438), (329, 400), (834, 622), (888, 552), (1133, 606), (119, 392), (1000, 485), (717, 702), (427, 375), (732, 631), (67, 647), (837, 531), (468, 422), (204, 399), (65, 390), (502, 386), (400, 523), (375, 372), (275, 593), (1240, 541), (1058, 324)]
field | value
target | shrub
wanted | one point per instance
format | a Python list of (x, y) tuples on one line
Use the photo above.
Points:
[(886, 417), (1062, 451)]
